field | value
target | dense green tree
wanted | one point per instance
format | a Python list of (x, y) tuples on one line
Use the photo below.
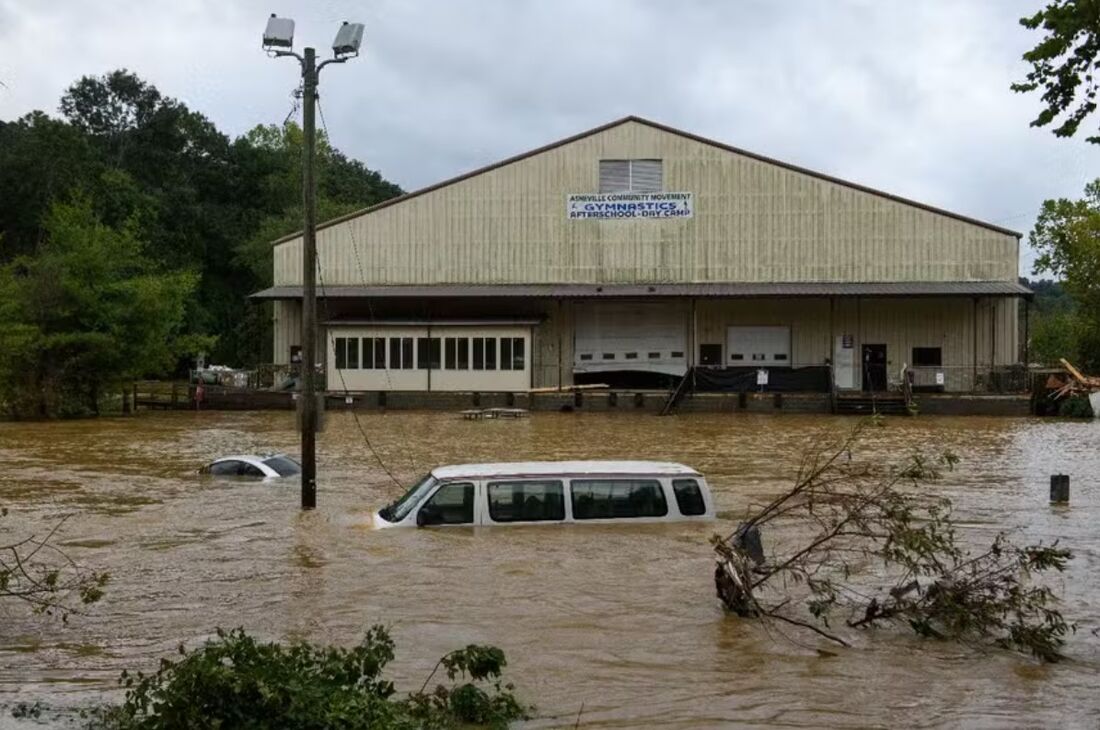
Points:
[(1067, 238), (200, 202), (41, 160), (1065, 64), (88, 312)]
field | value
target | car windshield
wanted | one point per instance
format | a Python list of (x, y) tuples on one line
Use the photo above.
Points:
[(283, 466), (400, 509)]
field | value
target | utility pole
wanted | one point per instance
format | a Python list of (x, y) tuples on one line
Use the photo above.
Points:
[(279, 34), (308, 402)]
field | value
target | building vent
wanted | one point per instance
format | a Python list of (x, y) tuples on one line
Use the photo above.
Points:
[(631, 176)]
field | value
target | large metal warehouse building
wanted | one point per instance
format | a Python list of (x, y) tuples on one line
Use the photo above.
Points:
[(633, 252)]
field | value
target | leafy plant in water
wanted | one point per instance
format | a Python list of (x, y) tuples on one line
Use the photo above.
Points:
[(880, 552), (237, 681), (37, 573)]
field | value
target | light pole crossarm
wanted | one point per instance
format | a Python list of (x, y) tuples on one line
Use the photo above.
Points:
[(339, 59)]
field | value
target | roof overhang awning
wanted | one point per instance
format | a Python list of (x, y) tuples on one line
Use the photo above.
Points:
[(607, 291), (359, 321)]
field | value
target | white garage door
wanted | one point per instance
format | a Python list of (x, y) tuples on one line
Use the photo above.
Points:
[(650, 337), (758, 346)]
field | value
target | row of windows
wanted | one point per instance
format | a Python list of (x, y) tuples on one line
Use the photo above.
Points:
[(675, 355), (432, 353), (544, 500)]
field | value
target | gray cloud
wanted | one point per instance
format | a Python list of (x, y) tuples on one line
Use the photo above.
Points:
[(912, 98)]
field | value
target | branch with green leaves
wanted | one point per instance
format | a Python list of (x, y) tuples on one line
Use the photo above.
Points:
[(38, 574), (871, 546)]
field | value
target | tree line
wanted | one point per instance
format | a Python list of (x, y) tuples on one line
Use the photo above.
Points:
[(1065, 73), (131, 231)]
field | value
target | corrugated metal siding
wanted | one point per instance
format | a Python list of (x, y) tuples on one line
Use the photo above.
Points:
[(754, 221), (900, 324), (287, 326)]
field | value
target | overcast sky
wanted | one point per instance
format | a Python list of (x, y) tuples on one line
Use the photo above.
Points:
[(909, 97)]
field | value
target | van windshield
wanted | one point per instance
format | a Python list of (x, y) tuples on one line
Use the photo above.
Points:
[(400, 509)]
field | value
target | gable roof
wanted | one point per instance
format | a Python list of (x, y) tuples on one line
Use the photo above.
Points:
[(663, 128)]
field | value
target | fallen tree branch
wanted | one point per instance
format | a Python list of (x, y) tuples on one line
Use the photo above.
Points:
[(872, 545)]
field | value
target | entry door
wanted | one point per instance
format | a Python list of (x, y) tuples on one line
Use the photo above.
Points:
[(874, 368)]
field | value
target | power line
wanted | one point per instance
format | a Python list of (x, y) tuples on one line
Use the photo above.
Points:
[(324, 303)]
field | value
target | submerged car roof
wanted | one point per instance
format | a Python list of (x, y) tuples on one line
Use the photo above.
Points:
[(569, 468)]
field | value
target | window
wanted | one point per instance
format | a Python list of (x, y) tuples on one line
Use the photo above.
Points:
[(226, 468), (526, 501), (283, 466), (251, 470), (689, 498), (450, 352), (453, 504), (609, 356), (346, 350), (631, 176), (400, 509), (595, 499), (710, 354), (479, 353), (511, 353), (631, 356), (677, 354), (463, 354), (927, 357), (235, 468), (340, 349), (518, 359), (586, 356), (401, 353), (485, 353), (374, 353), (427, 353), (654, 356)]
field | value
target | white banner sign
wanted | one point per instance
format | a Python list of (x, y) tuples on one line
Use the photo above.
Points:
[(612, 206)]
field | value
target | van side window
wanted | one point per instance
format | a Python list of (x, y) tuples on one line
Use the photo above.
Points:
[(689, 498), (527, 501), (453, 504), (595, 499)]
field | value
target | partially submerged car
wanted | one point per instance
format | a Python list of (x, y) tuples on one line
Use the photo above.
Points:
[(259, 467), (549, 492)]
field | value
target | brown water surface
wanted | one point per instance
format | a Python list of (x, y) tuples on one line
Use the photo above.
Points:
[(620, 619)]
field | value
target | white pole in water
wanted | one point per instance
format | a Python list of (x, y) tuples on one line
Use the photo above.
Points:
[(278, 40)]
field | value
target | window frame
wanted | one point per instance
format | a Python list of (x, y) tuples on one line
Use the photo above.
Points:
[(377, 360), (606, 176), (925, 351), (474, 512), (694, 484), (493, 518), (339, 353), (574, 482)]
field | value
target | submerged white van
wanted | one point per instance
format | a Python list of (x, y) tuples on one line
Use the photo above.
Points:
[(547, 492)]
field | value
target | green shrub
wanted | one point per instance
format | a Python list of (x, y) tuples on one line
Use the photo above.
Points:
[(235, 681), (1077, 406)]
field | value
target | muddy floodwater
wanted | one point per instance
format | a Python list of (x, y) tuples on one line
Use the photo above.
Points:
[(621, 620)]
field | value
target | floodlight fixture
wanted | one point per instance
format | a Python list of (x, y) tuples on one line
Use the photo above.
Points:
[(279, 33), (347, 41)]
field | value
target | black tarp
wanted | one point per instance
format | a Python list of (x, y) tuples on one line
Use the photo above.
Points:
[(786, 380)]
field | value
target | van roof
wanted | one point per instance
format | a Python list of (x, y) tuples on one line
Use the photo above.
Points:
[(565, 468)]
